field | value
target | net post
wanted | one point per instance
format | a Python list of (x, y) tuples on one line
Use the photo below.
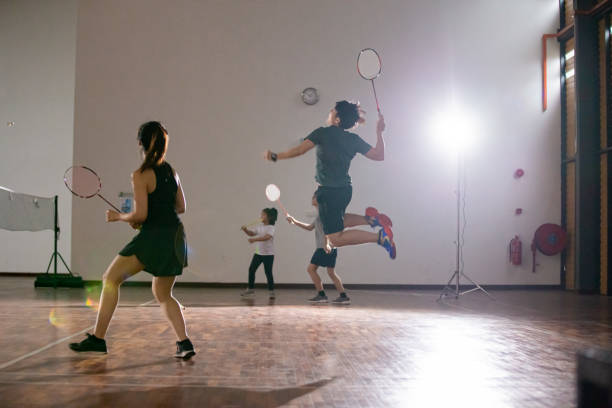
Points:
[(55, 235), (57, 279)]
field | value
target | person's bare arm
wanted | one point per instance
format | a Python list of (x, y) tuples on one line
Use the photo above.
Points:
[(139, 215), (377, 153), (181, 204), (305, 146), (248, 231), (303, 225)]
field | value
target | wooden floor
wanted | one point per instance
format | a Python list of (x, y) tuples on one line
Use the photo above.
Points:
[(389, 349)]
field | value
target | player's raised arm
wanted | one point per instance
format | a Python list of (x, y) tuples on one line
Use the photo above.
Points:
[(377, 153)]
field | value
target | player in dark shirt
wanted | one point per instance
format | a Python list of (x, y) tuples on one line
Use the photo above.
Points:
[(336, 147)]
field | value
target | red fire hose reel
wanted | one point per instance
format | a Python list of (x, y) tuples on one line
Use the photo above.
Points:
[(550, 239)]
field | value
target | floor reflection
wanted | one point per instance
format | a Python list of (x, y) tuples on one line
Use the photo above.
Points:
[(192, 395)]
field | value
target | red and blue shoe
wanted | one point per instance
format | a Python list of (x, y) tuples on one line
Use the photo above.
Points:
[(385, 240), (376, 219)]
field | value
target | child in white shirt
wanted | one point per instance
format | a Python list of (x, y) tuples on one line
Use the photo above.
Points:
[(263, 235)]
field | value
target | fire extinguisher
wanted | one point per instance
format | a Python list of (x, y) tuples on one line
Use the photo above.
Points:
[(515, 251)]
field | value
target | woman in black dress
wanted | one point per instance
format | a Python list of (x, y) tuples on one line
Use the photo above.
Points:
[(159, 248)]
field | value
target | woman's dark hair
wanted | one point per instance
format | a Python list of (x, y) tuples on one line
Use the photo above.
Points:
[(348, 113), (153, 137), (272, 214)]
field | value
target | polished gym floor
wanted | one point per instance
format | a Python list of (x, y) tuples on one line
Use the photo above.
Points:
[(388, 349)]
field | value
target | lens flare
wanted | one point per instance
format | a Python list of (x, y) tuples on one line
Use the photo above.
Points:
[(91, 304), (55, 319)]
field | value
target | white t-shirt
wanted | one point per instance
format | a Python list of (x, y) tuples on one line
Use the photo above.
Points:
[(265, 247)]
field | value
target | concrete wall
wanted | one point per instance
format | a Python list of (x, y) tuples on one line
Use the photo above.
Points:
[(225, 77), (37, 74)]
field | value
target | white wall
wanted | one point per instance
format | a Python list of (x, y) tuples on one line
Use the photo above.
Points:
[(37, 68), (225, 78)]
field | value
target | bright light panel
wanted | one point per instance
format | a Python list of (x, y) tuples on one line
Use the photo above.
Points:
[(454, 129)]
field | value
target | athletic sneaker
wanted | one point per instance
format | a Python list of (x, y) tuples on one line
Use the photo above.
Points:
[(342, 300), (184, 349), (318, 299), (90, 344), (271, 295), (248, 293), (376, 219), (385, 239)]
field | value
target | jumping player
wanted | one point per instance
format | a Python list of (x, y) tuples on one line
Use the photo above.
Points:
[(336, 147)]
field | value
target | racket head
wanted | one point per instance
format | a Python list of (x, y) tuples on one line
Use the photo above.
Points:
[(369, 64), (272, 192), (82, 181)]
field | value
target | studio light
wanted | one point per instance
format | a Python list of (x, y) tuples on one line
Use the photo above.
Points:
[(455, 131)]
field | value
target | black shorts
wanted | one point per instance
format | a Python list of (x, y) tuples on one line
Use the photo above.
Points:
[(332, 206), (322, 258)]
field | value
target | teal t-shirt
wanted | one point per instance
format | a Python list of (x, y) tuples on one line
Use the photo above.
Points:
[(335, 149)]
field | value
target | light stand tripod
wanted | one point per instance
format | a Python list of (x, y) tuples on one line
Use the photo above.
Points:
[(454, 290)]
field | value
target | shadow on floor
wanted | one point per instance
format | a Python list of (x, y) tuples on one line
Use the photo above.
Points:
[(193, 395), (93, 365)]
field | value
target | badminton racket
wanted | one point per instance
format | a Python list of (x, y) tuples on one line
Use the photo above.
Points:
[(369, 68), (83, 182), (273, 194)]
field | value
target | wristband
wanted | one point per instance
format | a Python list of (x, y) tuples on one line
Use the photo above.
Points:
[(273, 157)]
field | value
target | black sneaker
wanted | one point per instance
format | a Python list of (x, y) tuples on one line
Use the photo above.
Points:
[(342, 300), (90, 344), (318, 299), (184, 349)]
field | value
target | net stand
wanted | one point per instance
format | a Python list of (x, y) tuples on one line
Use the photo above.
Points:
[(67, 280), (454, 290)]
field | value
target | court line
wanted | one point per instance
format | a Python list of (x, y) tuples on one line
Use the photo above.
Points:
[(48, 346), (147, 303)]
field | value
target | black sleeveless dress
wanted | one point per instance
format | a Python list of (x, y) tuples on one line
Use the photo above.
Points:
[(161, 245)]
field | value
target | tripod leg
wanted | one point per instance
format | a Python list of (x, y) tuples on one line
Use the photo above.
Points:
[(448, 288), (50, 261), (451, 278), (477, 285), (64, 262)]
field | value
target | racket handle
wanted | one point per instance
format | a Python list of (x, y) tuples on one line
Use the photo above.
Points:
[(282, 207), (375, 96)]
